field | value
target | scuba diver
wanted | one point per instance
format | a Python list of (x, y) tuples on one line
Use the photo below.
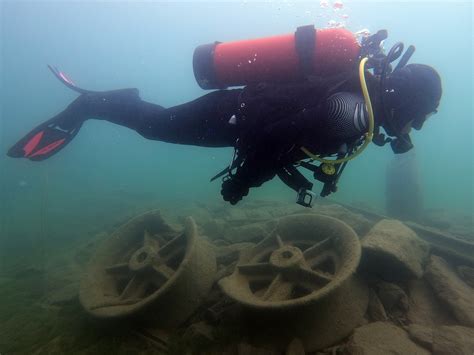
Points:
[(306, 100)]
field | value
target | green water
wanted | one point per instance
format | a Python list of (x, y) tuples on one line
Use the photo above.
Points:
[(108, 173)]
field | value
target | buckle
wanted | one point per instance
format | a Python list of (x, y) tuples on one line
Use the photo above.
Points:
[(305, 197)]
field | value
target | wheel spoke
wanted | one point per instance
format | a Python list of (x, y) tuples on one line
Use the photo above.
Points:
[(172, 245), (160, 239), (151, 242), (256, 269), (164, 272), (312, 279), (115, 269), (115, 303), (279, 241), (324, 262), (134, 288), (258, 273), (279, 290), (317, 248), (174, 253)]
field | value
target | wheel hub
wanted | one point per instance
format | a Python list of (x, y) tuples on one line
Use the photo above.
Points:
[(286, 257), (142, 259)]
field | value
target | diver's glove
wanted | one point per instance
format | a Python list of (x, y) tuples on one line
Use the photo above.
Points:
[(233, 190)]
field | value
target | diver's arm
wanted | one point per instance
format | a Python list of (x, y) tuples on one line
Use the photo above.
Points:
[(272, 149), (322, 129)]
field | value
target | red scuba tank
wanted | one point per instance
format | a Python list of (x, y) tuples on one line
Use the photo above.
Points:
[(281, 58)]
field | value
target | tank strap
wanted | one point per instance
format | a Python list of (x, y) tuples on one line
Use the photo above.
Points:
[(305, 42)]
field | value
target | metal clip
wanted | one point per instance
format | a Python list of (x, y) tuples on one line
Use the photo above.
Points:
[(305, 197)]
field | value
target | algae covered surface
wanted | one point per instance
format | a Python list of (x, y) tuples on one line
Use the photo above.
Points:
[(40, 311)]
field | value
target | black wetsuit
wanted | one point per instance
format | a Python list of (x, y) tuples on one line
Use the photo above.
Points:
[(267, 123)]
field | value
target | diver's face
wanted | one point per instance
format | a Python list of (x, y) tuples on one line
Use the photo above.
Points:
[(404, 121), (409, 99)]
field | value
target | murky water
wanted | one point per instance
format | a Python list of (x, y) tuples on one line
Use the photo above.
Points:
[(55, 214)]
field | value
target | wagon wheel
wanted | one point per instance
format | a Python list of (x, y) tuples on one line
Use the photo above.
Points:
[(305, 258), (289, 270), (147, 270)]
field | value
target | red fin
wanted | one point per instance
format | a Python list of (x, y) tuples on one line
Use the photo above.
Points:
[(48, 148), (32, 143)]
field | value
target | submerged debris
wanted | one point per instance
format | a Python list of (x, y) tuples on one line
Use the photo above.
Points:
[(451, 290), (410, 310), (393, 251), (383, 338)]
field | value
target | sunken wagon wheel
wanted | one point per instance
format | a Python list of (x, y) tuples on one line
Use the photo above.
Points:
[(147, 268), (299, 281)]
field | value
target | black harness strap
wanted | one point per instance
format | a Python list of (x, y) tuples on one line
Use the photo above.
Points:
[(305, 42), (294, 179)]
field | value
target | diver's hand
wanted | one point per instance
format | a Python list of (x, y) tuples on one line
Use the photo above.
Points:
[(233, 190)]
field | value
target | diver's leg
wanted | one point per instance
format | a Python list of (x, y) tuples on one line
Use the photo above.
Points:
[(51, 136), (203, 122)]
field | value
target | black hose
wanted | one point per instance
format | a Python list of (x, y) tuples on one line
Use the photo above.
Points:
[(406, 57), (392, 55), (395, 52)]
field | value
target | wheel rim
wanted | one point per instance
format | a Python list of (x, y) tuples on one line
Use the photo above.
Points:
[(131, 271), (305, 258)]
